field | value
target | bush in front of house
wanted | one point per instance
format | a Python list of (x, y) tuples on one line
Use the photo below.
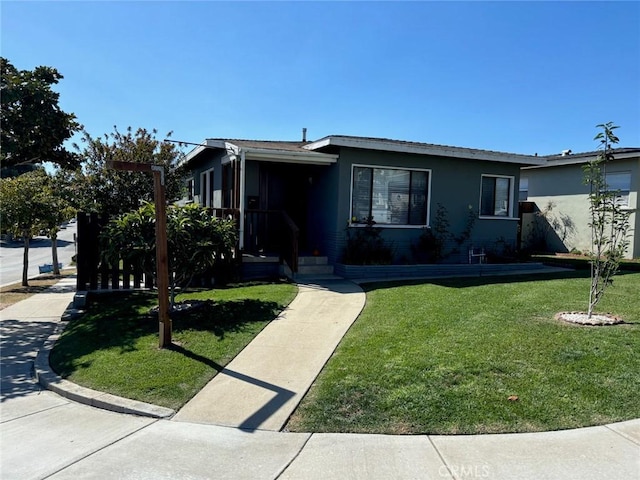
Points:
[(365, 246)]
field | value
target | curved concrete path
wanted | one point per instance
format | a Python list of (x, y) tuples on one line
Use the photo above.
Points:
[(44, 435), (263, 385)]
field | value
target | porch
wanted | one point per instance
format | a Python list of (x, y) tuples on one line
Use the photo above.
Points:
[(271, 246)]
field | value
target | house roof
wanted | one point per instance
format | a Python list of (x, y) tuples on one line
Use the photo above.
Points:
[(584, 157), (265, 150), (267, 144), (320, 151), (386, 144)]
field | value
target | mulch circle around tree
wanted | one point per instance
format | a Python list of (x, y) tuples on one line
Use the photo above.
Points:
[(596, 320), (183, 307)]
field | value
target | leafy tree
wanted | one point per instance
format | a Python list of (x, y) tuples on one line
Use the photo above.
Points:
[(23, 201), (33, 125), (55, 210), (103, 190), (609, 221), (196, 241)]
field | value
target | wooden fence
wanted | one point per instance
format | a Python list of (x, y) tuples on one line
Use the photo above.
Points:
[(93, 273)]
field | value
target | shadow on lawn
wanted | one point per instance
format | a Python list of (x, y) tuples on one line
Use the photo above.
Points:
[(120, 319), (465, 282), (221, 317), (194, 356)]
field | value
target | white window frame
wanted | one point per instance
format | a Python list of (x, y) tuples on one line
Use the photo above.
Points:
[(512, 186), (622, 200), (386, 167), (190, 189), (206, 188), (523, 187)]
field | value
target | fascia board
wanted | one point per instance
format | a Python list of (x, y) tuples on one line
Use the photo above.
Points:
[(580, 160), (195, 151), (435, 150), (311, 158), (323, 142)]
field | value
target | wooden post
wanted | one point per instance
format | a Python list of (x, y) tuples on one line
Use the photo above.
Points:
[(162, 257)]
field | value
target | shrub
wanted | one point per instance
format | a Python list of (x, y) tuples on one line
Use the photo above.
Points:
[(365, 246)]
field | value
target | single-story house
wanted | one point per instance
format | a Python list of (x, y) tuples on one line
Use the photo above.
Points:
[(559, 220), (300, 199)]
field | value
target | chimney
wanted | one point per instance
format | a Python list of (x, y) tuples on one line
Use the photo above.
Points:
[(304, 134)]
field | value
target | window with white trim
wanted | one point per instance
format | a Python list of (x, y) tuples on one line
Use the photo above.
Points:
[(496, 196), (523, 190), (389, 196), (206, 188), (190, 189), (620, 184)]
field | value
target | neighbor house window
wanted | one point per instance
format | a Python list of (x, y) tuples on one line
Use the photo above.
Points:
[(391, 196), (496, 197), (523, 190), (620, 184), (190, 189), (206, 188)]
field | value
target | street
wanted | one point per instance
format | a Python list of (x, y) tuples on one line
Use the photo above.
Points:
[(39, 253)]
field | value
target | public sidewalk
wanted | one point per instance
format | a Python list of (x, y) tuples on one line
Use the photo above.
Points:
[(26, 325)]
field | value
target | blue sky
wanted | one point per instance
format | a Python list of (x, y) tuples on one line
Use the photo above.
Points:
[(520, 77)]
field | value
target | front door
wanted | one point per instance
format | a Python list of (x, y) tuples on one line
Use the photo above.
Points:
[(283, 187)]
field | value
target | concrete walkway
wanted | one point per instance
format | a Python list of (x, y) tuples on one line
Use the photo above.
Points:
[(26, 325), (263, 385), (44, 435)]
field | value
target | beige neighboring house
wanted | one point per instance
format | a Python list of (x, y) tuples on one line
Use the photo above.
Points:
[(556, 206)]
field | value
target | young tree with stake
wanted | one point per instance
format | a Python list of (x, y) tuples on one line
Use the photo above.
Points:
[(609, 221)]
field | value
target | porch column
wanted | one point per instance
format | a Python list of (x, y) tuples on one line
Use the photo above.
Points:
[(242, 187)]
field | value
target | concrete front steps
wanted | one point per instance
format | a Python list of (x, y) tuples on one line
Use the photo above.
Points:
[(312, 268)]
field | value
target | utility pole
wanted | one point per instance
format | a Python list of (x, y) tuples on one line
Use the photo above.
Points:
[(162, 256)]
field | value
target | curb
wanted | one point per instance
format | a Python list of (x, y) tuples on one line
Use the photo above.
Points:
[(49, 380)]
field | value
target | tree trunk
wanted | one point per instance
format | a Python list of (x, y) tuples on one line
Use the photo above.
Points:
[(54, 253), (25, 260)]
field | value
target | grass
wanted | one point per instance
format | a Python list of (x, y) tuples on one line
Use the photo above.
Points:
[(15, 292), (114, 347), (444, 357)]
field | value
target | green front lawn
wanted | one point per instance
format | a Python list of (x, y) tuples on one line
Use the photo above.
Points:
[(114, 347), (444, 357)]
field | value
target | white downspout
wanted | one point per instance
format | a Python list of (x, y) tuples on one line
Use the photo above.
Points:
[(242, 188)]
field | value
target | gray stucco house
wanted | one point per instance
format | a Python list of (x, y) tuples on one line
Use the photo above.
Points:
[(556, 189), (301, 197)]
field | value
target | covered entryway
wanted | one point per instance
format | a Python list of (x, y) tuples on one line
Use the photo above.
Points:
[(290, 189), (277, 185)]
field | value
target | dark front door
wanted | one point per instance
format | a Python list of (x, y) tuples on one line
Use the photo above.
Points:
[(284, 187)]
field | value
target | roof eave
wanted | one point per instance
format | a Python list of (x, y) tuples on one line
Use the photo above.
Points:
[(577, 159), (434, 150), (207, 144), (286, 156)]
